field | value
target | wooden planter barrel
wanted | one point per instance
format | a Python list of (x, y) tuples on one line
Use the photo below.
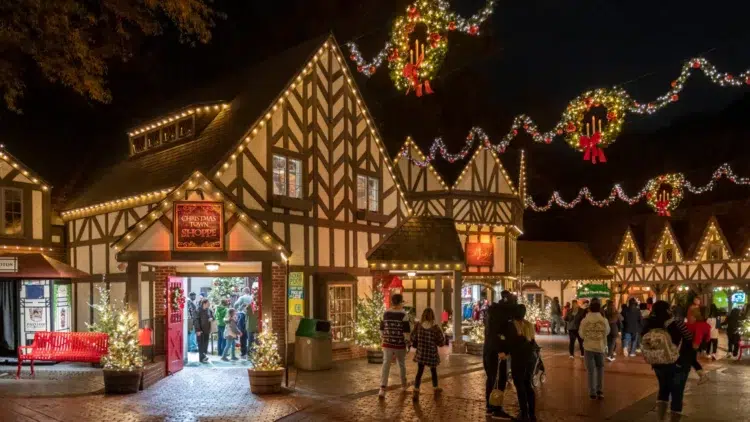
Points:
[(265, 382), (122, 382), (374, 356), (474, 348)]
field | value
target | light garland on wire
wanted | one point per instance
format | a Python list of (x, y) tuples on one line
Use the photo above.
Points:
[(574, 124), (412, 67), (663, 193)]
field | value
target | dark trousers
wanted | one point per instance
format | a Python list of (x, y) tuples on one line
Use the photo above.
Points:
[(243, 343), (573, 334), (490, 369), (734, 344), (203, 344), (612, 340), (420, 371), (522, 380), (711, 346), (672, 380)]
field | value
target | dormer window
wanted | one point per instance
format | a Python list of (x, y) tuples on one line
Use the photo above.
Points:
[(669, 255), (630, 258), (715, 252), (176, 127)]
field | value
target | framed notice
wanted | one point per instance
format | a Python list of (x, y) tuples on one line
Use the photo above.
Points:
[(296, 294), (198, 226), (480, 254)]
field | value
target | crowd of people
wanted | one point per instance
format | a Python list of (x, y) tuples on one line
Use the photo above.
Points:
[(237, 324)]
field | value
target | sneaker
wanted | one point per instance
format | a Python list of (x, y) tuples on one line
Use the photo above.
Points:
[(600, 395), (381, 393), (713, 356), (235, 358), (205, 360), (729, 355), (225, 359), (243, 357), (581, 356), (632, 355), (572, 357)]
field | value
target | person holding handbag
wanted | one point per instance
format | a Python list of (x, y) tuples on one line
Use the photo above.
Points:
[(426, 338), (518, 342)]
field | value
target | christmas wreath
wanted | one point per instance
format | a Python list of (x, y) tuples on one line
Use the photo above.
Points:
[(665, 192), (177, 299), (592, 138)]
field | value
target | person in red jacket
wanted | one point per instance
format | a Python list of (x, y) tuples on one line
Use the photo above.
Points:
[(701, 333)]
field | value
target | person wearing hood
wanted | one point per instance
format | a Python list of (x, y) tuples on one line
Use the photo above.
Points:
[(594, 330), (426, 338)]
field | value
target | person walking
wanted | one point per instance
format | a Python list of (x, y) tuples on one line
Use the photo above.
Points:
[(499, 316), (426, 338), (594, 330), (733, 332), (556, 314), (614, 320), (231, 333), (632, 326), (701, 332), (202, 324), (192, 309), (714, 323), (394, 327), (251, 326), (519, 344), (221, 315), (667, 346), (572, 319), (242, 325)]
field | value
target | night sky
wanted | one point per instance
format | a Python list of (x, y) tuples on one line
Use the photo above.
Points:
[(532, 57)]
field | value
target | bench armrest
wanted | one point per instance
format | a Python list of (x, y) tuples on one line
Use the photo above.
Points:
[(22, 348)]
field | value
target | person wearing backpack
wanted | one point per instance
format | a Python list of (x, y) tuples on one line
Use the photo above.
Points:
[(594, 330), (667, 346)]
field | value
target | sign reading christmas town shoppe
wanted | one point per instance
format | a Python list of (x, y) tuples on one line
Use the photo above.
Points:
[(198, 226), (480, 254)]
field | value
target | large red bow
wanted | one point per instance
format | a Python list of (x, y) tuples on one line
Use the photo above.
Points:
[(411, 72), (661, 208), (591, 149)]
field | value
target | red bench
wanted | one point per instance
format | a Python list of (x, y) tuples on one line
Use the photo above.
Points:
[(541, 323), (63, 347)]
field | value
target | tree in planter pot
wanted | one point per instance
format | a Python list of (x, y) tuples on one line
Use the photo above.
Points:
[(475, 345), (267, 372), (370, 310), (123, 363)]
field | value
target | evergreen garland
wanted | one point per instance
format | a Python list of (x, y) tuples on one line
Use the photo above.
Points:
[(370, 310)]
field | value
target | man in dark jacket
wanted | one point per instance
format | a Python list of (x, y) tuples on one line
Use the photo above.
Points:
[(633, 325), (498, 317), (202, 324)]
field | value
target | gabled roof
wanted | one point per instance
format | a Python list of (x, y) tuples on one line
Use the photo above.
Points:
[(560, 261), (699, 247), (413, 150), (629, 233), (253, 91), (468, 169), (667, 231), (420, 239), (22, 168)]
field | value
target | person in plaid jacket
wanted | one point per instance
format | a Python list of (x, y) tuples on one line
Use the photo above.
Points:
[(426, 338)]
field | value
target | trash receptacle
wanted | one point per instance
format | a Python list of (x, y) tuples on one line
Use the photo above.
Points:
[(313, 347)]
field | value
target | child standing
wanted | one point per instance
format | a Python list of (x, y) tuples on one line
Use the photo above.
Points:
[(231, 333), (701, 333), (221, 315), (426, 338)]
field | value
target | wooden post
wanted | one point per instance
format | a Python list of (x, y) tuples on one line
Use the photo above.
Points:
[(438, 295), (133, 288), (458, 345)]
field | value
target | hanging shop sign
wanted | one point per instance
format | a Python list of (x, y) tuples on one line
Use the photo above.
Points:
[(198, 226), (8, 265), (480, 254), (296, 294)]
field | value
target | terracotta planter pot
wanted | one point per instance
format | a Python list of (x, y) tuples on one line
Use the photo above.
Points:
[(474, 348), (374, 356), (265, 382), (122, 382)]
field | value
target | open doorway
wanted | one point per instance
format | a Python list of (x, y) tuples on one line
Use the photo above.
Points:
[(224, 294)]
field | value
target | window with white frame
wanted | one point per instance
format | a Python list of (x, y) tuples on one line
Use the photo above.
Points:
[(287, 176), (341, 311), (12, 215), (368, 193)]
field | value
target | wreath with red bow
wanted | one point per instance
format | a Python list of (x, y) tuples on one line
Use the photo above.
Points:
[(177, 299), (591, 140), (670, 198)]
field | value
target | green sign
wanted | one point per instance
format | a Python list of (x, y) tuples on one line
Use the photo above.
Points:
[(296, 294), (590, 291)]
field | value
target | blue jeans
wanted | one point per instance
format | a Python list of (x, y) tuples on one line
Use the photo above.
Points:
[(672, 379), (629, 342), (222, 340), (229, 345), (192, 342), (388, 356), (595, 367)]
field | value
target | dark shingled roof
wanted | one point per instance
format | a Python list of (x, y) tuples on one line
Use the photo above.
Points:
[(421, 239), (559, 261), (252, 91)]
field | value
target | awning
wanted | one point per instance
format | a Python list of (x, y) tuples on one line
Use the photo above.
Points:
[(37, 265)]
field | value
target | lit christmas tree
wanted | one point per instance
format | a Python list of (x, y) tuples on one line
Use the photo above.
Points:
[(476, 334), (224, 288), (266, 357), (370, 311), (534, 312), (121, 326)]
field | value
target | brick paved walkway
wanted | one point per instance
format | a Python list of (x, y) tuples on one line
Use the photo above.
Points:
[(349, 393)]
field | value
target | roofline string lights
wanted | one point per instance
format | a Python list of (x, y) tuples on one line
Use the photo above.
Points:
[(179, 115), (22, 169), (412, 67), (573, 124)]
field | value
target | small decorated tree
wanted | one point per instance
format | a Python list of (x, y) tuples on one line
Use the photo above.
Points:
[(265, 356), (224, 288), (476, 334), (370, 310), (534, 312)]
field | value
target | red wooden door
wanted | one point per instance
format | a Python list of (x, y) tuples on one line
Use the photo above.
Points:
[(175, 332)]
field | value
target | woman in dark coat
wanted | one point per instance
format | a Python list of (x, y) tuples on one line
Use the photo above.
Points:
[(518, 342), (202, 324)]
